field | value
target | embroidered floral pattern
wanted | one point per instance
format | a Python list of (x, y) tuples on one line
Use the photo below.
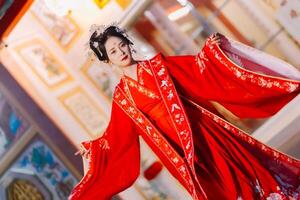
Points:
[(241, 134), (287, 189), (200, 57), (104, 144), (275, 196), (140, 88), (77, 191), (246, 75), (244, 136), (155, 136), (176, 111), (142, 67)]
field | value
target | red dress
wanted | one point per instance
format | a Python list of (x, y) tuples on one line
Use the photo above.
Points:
[(170, 108)]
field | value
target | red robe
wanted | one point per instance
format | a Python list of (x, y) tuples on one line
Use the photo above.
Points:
[(169, 106)]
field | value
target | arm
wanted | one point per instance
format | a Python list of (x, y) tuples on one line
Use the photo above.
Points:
[(114, 161), (85, 163), (212, 76)]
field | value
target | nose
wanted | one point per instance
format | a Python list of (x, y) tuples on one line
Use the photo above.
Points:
[(122, 52)]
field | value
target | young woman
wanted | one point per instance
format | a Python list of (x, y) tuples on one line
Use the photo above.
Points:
[(168, 102)]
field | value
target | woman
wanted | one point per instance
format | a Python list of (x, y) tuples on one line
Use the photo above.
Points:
[(168, 102)]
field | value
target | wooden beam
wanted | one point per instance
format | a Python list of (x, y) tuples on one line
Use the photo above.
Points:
[(13, 14)]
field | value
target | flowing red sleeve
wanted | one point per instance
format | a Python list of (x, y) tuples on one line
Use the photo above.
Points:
[(236, 82), (114, 168)]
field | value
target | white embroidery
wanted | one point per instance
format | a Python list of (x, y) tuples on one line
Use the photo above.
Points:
[(149, 128), (258, 188), (140, 120), (274, 196), (175, 160), (161, 72), (253, 77), (188, 146), (164, 83), (139, 87), (170, 95), (182, 169), (131, 109), (174, 106), (123, 102), (292, 87), (179, 118), (103, 144), (200, 58)]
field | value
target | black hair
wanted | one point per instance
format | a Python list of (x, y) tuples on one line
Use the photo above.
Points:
[(97, 41)]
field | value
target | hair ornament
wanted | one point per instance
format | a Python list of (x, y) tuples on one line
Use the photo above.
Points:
[(95, 44), (98, 35)]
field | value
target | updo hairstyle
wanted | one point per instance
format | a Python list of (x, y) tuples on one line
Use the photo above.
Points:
[(97, 41)]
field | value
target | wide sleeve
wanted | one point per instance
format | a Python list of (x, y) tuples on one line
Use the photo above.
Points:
[(245, 80), (114, 160)]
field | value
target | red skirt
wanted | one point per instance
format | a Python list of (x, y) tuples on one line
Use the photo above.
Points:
[(232, 165)]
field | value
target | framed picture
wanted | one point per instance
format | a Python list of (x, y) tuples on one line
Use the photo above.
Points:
[(12, 124), (124, 3), (101, 76), (39, 172), (78, 103), (101, 3), (288, 15), (43, 63), (63, 29)]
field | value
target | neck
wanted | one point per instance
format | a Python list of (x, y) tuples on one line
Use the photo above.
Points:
[(132, 64), (130, 70)]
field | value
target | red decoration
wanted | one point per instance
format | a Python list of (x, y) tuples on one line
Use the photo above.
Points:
[(153, 170)]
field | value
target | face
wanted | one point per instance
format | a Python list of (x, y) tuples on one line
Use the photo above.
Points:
[(118, 51)]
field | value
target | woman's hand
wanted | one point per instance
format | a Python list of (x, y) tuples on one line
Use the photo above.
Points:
[(83, 152), (216, 39), (85, 158), (103, 144)]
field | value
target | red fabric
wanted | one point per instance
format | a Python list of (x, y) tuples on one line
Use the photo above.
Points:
[(244, 98), (229, 163), (111, 170)]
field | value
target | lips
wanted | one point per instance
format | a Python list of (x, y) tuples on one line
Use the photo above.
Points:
[(124, 58)]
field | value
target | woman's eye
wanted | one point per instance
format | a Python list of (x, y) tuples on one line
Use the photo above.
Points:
[(123, 45), (112, 52)]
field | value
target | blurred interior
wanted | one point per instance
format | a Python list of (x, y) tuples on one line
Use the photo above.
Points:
[(54, 94)]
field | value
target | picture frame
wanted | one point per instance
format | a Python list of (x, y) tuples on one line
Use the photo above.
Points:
[(62, 29), (288, 15), (124, 4), (40, 170), (101, 3), (85, 111), (101, 76), (13, 124), (43, 63)]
